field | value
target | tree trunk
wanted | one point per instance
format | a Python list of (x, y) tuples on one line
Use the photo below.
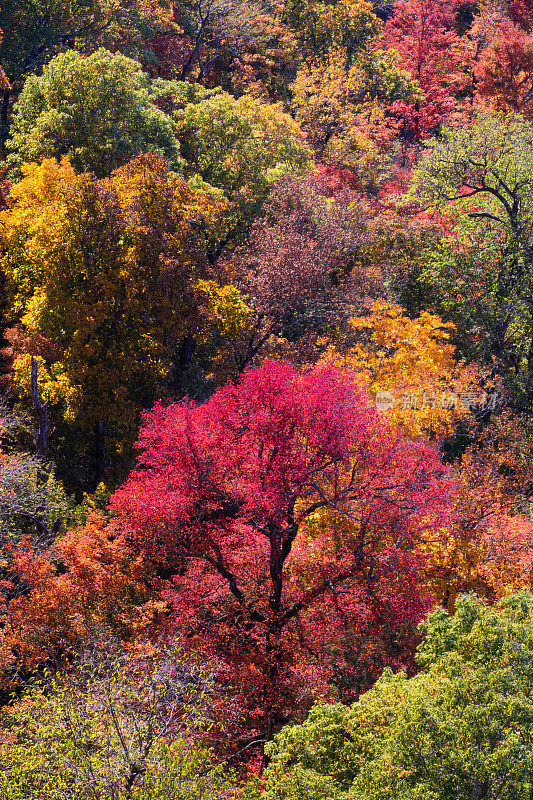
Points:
[(41, 413), (99, 453), (271, 683), (4, 115), (181, 366)]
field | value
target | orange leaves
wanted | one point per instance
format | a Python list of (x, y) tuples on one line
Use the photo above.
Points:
[(492, 557), (5, 86), (489, 548), (505, 72), (413, 362), (87, 582)]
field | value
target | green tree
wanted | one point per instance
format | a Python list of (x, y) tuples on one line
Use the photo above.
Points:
[(119, 727), (239, 147), (460, 729), (95, 110), (33, 503), (481, 277), (37, 30)]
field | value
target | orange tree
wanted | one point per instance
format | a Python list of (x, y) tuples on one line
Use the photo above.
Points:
[(410, 368)]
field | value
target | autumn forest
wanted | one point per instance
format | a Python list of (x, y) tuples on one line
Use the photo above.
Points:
[(266, 399)]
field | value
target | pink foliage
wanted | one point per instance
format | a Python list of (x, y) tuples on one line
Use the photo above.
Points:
[(291, 512), (422, 34)]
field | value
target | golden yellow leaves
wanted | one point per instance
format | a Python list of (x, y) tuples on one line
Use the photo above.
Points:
[(54, 383), (106, 268), (226, 309), (413, 361)]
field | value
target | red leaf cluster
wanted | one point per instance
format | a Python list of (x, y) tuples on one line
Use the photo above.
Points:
[(289, 512)]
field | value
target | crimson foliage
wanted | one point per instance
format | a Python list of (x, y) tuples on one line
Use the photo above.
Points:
[(289, 513)]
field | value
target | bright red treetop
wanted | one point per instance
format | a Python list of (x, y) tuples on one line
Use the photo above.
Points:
[(421, 31), (258, 458), (287, 507)]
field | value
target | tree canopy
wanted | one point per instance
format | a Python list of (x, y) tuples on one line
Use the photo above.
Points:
[(460, 728), (266, 395), (95, 110)]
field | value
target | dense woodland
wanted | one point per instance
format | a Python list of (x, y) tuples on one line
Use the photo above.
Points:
[(266, 378)]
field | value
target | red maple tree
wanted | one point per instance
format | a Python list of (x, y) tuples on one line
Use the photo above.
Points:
[(521, 13), (505, 70), (288, 512), (421, 31)]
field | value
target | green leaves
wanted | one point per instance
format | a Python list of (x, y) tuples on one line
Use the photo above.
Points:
[(97, 111), (493, 159), (109, 731), (481, 278), (461, 728), (232, 144)]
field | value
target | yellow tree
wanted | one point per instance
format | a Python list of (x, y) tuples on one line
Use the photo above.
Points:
[(410, 368), (107, 269), (343, 82), (486, 543), (488, 548)]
